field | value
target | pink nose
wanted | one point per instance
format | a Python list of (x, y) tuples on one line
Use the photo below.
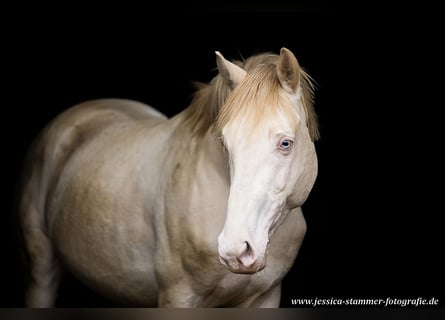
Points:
[(242, 260)]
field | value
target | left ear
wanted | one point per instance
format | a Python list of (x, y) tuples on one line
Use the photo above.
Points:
[(288, 70), (230, 72)]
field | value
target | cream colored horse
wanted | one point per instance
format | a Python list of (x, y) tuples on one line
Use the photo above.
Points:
[(200, 210)]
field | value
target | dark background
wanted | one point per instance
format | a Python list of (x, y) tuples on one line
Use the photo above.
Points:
[(374, 215)]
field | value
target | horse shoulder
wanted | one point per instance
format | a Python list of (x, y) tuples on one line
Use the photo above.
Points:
[(195, 206)]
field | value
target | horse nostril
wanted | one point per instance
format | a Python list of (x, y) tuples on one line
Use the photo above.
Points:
[(246, 255)]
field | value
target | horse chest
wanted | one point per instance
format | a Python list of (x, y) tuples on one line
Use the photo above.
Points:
[(211, 284)]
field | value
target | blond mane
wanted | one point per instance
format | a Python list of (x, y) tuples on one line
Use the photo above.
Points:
[(258, 95)]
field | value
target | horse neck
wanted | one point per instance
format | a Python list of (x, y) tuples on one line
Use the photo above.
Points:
[(212, 146), (205, 148)]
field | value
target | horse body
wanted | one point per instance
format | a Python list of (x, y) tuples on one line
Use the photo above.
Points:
[(132, 203)]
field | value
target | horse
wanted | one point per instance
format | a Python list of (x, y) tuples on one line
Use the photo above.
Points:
[(201, 209)]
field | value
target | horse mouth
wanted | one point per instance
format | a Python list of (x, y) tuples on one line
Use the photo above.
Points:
[(239, 268), (246, 270)]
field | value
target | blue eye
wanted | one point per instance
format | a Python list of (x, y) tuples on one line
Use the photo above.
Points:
[(285, 144)]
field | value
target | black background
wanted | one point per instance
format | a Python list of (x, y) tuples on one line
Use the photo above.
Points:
[(374, 215)]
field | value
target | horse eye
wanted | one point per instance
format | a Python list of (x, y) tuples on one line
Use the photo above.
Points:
[(285, 144)]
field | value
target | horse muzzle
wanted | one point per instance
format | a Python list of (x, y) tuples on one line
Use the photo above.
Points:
[(243, 259)]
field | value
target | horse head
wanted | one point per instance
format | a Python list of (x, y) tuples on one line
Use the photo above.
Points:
[(267, 127)]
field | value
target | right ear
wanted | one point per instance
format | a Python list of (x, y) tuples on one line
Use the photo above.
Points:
[(230, 72), (288, 70)]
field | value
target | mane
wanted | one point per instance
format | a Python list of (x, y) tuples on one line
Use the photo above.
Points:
[(307, 99), (213, 105), (206, 103)]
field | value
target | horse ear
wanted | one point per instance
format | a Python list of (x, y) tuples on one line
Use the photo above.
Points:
[(230, 72), (288, 70)]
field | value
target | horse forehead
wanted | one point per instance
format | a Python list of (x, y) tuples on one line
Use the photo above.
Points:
[(256, 128)]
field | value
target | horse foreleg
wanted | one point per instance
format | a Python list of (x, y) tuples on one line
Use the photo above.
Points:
[(269, 299), (177, 296), (44, 270)]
